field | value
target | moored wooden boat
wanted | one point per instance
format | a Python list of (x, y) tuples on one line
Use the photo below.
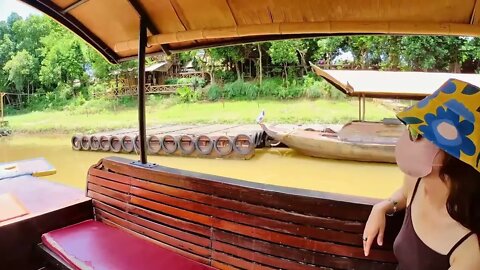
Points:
[(357, 141), (206, 220)]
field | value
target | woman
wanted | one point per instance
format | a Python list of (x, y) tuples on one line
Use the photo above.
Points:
[(440, 156)]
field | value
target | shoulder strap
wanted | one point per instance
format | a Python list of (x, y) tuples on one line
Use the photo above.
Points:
[(459, 243), (415, 191)]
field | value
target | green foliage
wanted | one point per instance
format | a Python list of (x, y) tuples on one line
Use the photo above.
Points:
[(314, 91), (225, 76), (284, 52), (214, 93), (291, 91), (241, 90), (64, 60), (186, 94), (270, 86), (40, 56), (431, 52), (20, 69), (329, 48), (196, 82), (170, 81)]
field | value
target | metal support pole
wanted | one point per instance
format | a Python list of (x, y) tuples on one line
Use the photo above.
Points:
[(141, 91), (363, 110), (359, 108), (1, 107)]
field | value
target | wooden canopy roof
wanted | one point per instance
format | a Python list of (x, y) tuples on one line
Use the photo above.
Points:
[(112, 26), (390, 84)]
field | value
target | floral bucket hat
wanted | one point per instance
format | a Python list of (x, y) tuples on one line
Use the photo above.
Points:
[(449, 118)]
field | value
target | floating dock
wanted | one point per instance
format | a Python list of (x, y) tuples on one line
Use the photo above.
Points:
[(209, 141), (229, 141)]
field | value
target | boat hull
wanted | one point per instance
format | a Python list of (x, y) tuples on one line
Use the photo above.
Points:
[(319, 144)]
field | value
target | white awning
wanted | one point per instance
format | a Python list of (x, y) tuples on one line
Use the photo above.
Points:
[(390, 84)]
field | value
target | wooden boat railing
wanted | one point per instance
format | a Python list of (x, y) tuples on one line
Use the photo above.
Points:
[(233, 224)]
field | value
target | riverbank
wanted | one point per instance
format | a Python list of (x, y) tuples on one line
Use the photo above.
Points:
[(101, 115)]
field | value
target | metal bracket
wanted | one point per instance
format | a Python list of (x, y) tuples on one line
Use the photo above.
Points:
[(146, 165)]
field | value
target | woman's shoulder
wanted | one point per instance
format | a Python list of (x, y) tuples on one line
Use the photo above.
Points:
[(467, 255)]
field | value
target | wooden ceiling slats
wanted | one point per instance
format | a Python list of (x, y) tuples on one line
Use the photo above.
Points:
[(187, 24)]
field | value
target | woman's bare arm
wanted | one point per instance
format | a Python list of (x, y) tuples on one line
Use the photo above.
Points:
[(375, 227), (467, 255)]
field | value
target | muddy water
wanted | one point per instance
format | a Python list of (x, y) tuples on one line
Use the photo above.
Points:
[(275, 166)]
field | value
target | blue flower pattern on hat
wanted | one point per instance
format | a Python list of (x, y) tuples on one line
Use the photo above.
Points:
[(450, 118), (453, 145), (448, 88), (460, 109)]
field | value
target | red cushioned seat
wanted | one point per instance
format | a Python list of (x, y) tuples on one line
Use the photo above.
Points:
[(94, 245)]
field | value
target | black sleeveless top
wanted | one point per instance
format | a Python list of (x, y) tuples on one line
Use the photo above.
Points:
[(412, 253)]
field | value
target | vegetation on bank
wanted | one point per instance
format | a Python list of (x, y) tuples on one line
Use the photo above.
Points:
[(100, 114), (40, 57)]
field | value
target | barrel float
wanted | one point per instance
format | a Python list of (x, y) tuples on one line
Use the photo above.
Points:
[(115, 144), (186, 144), (223, 145), (94, 143), (154, 144), (85, 143), (127, 144), (77, 142), (243, 144), (204, 145), (169, 144), (136, 143), (105, 143)]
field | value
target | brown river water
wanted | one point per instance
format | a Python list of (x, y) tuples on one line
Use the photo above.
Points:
[(282, 167)]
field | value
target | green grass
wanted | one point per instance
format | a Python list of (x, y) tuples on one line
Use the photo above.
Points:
[(100, 115)]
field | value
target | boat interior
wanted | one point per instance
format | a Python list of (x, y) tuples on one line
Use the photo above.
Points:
[(138, 215)]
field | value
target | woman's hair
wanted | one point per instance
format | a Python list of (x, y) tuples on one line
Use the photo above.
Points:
[(463, 203)]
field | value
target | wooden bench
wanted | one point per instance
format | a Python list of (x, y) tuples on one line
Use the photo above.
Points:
[(232, 224)]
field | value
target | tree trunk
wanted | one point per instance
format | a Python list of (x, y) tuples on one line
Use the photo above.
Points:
[(239, 72), (260, 63), (304, 61), (286, 74)]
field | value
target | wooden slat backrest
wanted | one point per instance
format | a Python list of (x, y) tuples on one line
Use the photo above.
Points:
[(233, 224)]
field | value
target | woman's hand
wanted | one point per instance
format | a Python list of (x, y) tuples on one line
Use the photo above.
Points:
[(375, 226)]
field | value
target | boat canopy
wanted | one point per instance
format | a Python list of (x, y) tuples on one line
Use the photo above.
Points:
[(390, 84), (112, 26)]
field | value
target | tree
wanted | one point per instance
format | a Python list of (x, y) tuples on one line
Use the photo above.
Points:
[(329, 48), (427, 52), (366, 50), (20, 69), (63, 59), (230, 55), (284, 52), (28, 33), (7, 49)]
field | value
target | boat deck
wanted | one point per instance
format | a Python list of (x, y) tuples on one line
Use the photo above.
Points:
[(49, 205), (38, 196)]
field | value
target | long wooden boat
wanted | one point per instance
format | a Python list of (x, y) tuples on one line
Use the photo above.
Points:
[(357, 141), (195, 220), (139, 215)]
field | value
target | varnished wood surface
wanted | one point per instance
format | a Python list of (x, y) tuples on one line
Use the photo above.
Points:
[(233, 224), (39, 196), (19, 240)]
